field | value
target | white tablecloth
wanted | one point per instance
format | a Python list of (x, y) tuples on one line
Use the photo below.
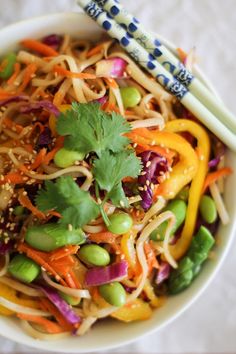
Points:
[(209, 326)]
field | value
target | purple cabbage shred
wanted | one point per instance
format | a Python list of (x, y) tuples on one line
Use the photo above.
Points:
[(35, 106), (17, 98), (44, 139), (163, 273), (154, 166), (53, 40)]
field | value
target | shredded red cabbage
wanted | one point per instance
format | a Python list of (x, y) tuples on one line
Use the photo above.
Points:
[(6, 247), (103, 275), (53, 40), (44, 139), (102, 100), (154, 165), (61, 305), (163, 273), (17, 98), (214, 162), (35, 106), (112, 67)]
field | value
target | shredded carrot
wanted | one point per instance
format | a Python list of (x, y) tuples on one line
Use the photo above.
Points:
[(50, 155), (63, 72), (46, 305), (70, 281), (214, 176), (182, 54), (39, 47), (151, 258), (39, 159), (39, 257), (143, 140), (62, 252), (95, 50), (75, 279), (16, 72), (103, 237), (8, 123), (111, 83), (25, 202), (29, 72), (49, 326), (37, 125), (13, 178)]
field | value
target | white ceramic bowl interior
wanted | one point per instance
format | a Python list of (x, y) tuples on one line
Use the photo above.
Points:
[(110, 333)]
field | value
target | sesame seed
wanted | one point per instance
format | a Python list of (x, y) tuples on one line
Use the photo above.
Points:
[(148, 163)]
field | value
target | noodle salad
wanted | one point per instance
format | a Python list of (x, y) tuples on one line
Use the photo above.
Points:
[(110, 190)]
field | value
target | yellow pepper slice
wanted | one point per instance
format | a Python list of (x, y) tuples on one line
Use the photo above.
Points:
[(137, 310), (128, 249), (11, 295), (53, 120), (183, 171), (203, 151)]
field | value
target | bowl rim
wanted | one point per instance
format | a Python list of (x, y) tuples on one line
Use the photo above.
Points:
[(37, 344)]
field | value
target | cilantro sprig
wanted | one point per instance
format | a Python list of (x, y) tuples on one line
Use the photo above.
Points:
[(87, 129), (75, 205)]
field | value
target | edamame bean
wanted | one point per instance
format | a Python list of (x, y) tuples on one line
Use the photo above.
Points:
[(183, 194), (94, 255), (130, 96), (23, 268), (113, 293), (49, 237), (66, 158), (120, 223), (71, 300), (178, 208), (208, 209)]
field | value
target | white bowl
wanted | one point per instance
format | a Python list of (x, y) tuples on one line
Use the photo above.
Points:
[(112, 334)]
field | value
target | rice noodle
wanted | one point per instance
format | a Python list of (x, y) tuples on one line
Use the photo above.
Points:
[(22, 309), (156, 208), (148, 123), (40, 335), (86, 325), (20, 287), (220, 206), (3, 271), (79, 293), (93, 229)]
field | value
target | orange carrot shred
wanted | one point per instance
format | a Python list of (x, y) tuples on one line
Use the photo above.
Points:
[(16, 72), (13, 178), (39, 159), (151, 258), (29, 71), (103, 237), (25, 202), (214, 176), (39, 47), (111, 83), (49, 326), (48, 306), (62, 252), (63, 72)]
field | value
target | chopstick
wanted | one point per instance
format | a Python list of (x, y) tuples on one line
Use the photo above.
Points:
[(159, 72), (164, 56)]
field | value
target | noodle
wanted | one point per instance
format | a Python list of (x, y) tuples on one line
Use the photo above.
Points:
[(105, 206)]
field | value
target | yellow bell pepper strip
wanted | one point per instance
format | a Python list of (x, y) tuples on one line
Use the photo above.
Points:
[(53, 120), (183, 171), (136, 310), (10, 294), (128, 249), (195, 192), (149, 291)]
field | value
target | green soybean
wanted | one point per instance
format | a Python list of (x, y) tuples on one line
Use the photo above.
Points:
[(66, 158), (191, 264), (208, 209), (113, 293), (23, 268), (94, 255), (130, 96), (8, 66), (178, 208), (49, 237), (120, 223), (71, 300), (183, 194)]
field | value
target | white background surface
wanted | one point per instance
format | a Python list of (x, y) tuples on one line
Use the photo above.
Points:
[(209, 326)]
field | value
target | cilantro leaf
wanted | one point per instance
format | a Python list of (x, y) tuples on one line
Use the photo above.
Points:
[(75, 205), (118, 197), (89, 129), (110, 169)]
